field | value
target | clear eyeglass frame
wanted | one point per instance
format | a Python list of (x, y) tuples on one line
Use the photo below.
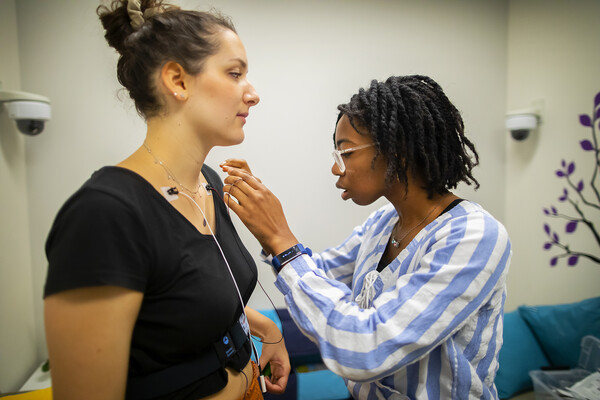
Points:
[(337, 155)]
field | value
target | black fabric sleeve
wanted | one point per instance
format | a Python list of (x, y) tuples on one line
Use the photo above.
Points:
[(97, 240)]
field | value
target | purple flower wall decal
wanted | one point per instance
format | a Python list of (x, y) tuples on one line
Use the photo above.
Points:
[(587, 145), (573, 260), (585, 120), (564, 196), (584, 199)]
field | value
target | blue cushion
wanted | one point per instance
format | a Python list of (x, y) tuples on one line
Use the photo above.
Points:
[(520, 353), (321, 385), (560, 328)]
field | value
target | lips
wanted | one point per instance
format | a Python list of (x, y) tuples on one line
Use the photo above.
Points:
[(345, 191), (243, 117)]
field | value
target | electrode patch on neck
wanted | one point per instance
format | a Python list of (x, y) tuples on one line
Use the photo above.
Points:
[(170, 192)]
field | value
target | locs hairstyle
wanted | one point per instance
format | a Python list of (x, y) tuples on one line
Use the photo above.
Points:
[(169, 34), (417, 129)]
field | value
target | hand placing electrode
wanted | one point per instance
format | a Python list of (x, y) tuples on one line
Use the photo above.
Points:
[(258, 208)]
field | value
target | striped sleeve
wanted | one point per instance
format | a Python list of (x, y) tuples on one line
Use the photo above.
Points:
[(452, 272), (339, 262)]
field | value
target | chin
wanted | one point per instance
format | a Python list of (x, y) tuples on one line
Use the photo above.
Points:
[(232, 141), (364, 202)]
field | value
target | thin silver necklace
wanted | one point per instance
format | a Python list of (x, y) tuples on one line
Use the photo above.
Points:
[(170, 174), (396, 242)]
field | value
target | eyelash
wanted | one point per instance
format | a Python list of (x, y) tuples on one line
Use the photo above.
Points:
[(236, 75)]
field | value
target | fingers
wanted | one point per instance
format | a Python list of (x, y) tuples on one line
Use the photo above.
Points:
[(238, 168), (277, 382), (236, 163), (236, 173), (277, 387)]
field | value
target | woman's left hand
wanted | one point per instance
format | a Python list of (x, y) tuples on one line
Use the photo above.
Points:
[(273, 351), (275, 354), (258, 208)]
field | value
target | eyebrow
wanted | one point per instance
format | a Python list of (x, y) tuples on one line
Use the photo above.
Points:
[(242, 62), (342, 141)]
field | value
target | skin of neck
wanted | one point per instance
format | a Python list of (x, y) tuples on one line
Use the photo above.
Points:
[(178, 146), (413, 204)]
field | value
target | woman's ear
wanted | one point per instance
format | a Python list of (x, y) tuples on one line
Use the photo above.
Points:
[(173, 79)]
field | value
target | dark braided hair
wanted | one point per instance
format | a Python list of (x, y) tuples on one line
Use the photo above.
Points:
[(417, 129), (168, 33)]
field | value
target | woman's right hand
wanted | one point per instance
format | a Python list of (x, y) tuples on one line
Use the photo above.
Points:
[(237, 163), (258, 208)]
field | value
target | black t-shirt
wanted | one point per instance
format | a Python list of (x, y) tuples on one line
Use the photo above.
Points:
[(118, 230)]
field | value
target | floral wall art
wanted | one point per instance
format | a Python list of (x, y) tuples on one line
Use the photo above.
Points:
[(578, 207)]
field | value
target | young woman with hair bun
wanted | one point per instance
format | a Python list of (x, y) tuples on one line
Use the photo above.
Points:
[(147, 278)]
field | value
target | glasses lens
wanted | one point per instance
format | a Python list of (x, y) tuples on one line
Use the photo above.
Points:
[(339, 161)]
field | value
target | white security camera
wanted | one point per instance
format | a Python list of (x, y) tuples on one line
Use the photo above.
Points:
[(30, 111), (520, 124)]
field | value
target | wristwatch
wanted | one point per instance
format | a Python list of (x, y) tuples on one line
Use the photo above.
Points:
[(288, 255)]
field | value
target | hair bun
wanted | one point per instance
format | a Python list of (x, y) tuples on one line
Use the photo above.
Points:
[(134, 10)]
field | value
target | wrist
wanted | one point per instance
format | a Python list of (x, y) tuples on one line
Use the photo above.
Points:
[(286, 256), (280, 244)]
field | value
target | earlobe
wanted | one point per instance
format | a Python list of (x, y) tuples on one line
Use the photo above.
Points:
[(172, 77)]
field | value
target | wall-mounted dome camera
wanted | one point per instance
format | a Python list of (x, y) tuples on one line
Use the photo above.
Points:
[(30, 111), (520, 124)]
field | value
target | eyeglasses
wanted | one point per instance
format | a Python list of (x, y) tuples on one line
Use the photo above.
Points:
[(337, 155)]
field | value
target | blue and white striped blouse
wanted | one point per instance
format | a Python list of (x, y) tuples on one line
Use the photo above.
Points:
[(428, 326)]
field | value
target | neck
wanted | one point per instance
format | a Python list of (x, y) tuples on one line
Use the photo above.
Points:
[(182, 152), (414, 205)]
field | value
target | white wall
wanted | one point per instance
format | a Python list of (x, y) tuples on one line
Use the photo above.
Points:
[(553, 56), (18, 342), (305, 58)]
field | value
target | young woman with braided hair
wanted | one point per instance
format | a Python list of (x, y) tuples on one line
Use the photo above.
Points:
[(147, 278), (410, 305)]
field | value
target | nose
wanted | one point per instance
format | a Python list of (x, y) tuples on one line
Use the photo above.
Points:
[(335, 170), (251, 97)]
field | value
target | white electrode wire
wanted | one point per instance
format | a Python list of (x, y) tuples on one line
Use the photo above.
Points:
[(228, 268)]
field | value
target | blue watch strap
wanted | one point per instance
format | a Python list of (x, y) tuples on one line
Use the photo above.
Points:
[(288, 255)]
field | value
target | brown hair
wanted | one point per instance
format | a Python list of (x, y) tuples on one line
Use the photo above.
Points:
[(167, 33)]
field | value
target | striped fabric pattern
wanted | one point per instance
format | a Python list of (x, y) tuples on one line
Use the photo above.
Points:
[(429, 326)]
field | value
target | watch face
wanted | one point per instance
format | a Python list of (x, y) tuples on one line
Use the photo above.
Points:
[(288, 255), (292, 251), (285, 256)]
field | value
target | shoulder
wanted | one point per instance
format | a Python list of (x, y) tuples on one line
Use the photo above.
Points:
[(469, 221), (109, 188), (111, 196)]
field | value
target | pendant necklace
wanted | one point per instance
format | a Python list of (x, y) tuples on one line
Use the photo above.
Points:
[(396, 242), (173, 190), (170, 175)]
